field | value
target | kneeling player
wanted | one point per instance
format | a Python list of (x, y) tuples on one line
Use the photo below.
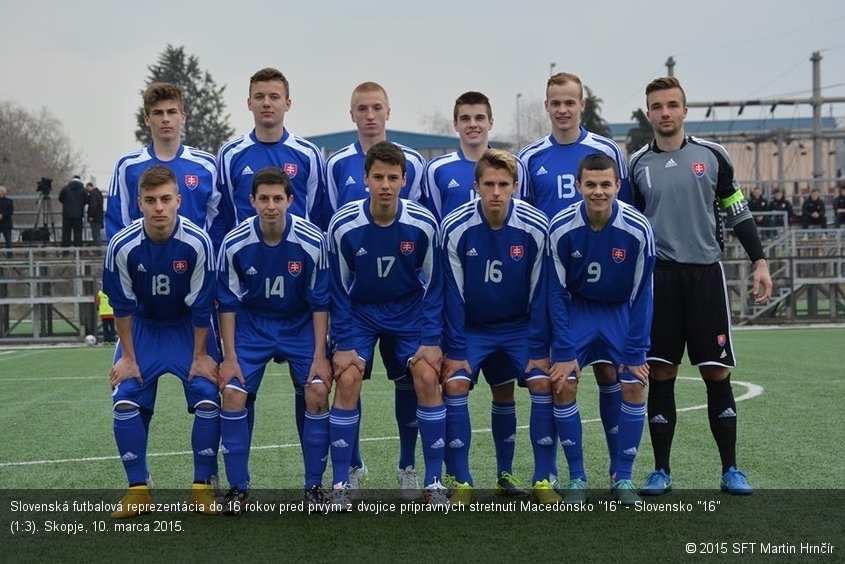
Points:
[(386, 283), (159, 275), (493, 253), (600, 300), (273, 299)]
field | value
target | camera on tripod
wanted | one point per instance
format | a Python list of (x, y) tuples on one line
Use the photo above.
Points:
[(44, 186)]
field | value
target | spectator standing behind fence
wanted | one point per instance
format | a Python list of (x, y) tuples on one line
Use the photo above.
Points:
[(106, 313), (95, 212), (780, 204), (838, 206), (7, 208), (73, 199), (756, 204), (812, 212)]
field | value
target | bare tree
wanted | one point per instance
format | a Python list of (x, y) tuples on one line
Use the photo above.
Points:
[(32, 146), (437, 123)]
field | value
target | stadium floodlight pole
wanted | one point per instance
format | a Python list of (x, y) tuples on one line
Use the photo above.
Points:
[(518, 131)]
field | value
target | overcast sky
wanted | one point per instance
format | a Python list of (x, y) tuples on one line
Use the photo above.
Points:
[(86, 60)]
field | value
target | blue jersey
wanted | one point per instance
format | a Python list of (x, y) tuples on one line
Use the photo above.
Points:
[(161, 282), (449, 181), (553, 168), (385, 276), (345, 176), (287, 281), (494, 278), (303, 162), (196, 176), (611, 266)]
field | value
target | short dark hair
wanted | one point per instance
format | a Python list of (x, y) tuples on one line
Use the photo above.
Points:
[(271, 175), (472, 98), (386, 152), (160, 91), (498, 159), (155, 176), (665, 83), (597, 161), (269, 74)]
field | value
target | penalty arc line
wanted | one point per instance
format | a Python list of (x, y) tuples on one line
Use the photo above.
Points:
[(751, 391)]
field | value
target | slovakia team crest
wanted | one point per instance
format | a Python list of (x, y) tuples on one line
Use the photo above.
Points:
[(290, 169), (406, 247), (698, 169), (192, 181), (721, 339), (294, 267), (517, 252), (180, 266), (618, 255)]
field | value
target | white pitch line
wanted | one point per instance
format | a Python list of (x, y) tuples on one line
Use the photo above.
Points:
[(751, 391)]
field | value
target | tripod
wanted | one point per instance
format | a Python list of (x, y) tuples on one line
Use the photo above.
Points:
[(43, 215)]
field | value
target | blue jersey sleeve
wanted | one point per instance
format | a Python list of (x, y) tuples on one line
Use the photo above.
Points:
[(454, 308), (642, 303), (562, 343), (320, 279), (539, 311), (432, 277), (200, 297), (342, 278)]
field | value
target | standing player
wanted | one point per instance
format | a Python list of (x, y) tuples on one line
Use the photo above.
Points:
[(370, 110), (386, 282), (273, 295), (448, 182), (600, 296), (160, 277), (493, 253), (552, 164), (271, 144), (682, 183), (195, 170)]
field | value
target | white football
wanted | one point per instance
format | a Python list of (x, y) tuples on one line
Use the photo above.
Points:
[(90, 340)]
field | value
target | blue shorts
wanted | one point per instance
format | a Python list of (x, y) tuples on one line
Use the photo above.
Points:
[(397, 349), (600, 332), (504, 349), (258, 340), (165, 349)]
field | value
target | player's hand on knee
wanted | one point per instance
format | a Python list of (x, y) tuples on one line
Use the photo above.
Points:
[(640, 372), (229, 370), (562, 371), (204, 366), (541, 364), (124, 369), (450, 366), (321, 370), (342, 360), (431, 355)]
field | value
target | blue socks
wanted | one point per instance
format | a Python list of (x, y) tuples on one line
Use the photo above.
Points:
[(205, 439), (568, 422), (130, 434), (405, 409), (343, 428), (432, 424), (458, 436), (503, 425), (235, 442), (315, 447), (542, 431), (631, 423)]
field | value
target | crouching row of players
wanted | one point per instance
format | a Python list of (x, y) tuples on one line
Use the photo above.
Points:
[(496, 282)]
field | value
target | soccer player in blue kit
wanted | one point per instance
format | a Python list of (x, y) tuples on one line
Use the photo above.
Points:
[(369, 108), (602, 259), (273, 296), (160, 278), (386, 282), (195, 170), (493, 254)]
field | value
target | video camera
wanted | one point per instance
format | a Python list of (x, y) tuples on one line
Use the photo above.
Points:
[(44, 186)]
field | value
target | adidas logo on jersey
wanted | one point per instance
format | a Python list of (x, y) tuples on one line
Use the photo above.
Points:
[(246, 170), (126, 457), (729, 412), (670, 163), (141, 268), (613, 430), (658, 419), (251, 270), (576, 254), (457, 443), (630, 451), (340, 443), (472, 252), (361, 252), (439, 444), (568, 442), (453, 184), (542, 171), (349, 181), (207, 452), (546, 441)]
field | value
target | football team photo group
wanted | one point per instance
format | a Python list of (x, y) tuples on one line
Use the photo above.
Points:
[(519, 269)]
